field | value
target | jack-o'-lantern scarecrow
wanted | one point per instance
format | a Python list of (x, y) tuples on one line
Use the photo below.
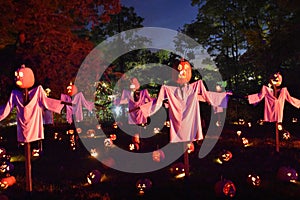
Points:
[(275, 96), (76, 102), (184, 108), (30, 105), (135, 97)]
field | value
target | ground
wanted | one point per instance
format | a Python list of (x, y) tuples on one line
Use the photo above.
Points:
[(60, 172)]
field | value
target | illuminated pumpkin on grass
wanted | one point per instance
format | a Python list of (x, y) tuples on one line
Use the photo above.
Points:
[(143, 185), (287, 174), (158, 155), (7, 181), (94, 177), (225, 188)]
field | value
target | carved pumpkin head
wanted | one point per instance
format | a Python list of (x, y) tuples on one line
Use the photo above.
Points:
[(276, 79), (225, 188), (24, 77), (183, 72), (134, 84), (72, 89)]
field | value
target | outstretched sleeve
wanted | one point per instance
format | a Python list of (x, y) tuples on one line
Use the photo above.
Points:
[(256, 98), (6, 109)]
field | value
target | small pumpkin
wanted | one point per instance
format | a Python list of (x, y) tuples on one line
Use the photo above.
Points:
[(254, 180), (182, 72), (225, 188), (287, 174), (24, 77), (7, 181), (94, 177), (143, 185), (177, 169), (225, 155), (158, 155)]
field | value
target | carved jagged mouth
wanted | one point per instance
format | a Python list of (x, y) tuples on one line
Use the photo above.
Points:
[(182, 74)]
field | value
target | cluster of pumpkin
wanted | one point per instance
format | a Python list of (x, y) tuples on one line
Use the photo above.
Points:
[(6, 168)]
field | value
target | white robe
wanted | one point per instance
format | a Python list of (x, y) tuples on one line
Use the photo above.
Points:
[(273, 111), (30, 117)]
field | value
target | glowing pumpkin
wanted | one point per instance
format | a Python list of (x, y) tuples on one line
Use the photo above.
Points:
[(158, 155), (72, 89), (287, 174), (225, 155), (190, 147), (182, 72), (177, 169), (7, 181), (94, 177), (24, 77), (143, 185), (254, 180), (225, 188), (276, 79)]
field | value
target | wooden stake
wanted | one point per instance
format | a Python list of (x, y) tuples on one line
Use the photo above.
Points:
[(28, 167), (186, 160), (27, 151), (277, 138)]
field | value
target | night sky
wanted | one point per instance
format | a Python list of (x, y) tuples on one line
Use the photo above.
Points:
[(163, 13)]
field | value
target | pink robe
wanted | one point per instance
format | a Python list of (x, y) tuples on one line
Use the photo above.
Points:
[(273, 111), (135, 116), (184, 109), (78, 102), (30, 117)]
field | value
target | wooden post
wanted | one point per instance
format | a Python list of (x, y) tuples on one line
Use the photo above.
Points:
[(28, 167), (277, 138), (27, 151), (186, 160)]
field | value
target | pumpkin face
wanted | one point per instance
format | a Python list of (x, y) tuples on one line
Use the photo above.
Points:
[(254, 180), (72, 89), (6, 167), (7, 181), (225, 155), (94, 177), (190, 147), (276, 79), (134, 84), (182, 72), (287, 174), (177, 169), (143, 185), (158, 155), (225, 188), (24, 77)]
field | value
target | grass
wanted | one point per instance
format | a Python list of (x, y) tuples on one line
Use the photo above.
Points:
[(60, 172)]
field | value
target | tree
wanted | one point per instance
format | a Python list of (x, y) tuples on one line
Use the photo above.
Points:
[(43, 34), (248, 39)]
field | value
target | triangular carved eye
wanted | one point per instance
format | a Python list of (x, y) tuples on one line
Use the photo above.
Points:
[(179, 67), (186, 66)]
